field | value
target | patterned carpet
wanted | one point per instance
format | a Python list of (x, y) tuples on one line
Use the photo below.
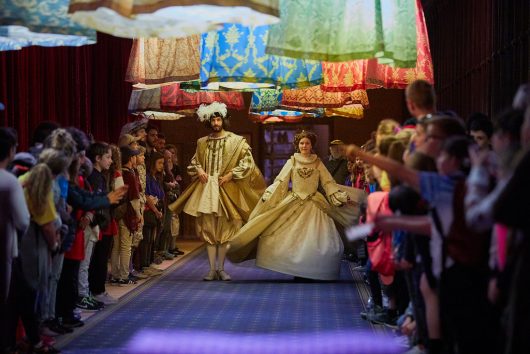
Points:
[(256, 301)]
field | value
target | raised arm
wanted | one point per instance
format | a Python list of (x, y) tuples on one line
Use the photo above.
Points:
[(401, 172), (417, 224)]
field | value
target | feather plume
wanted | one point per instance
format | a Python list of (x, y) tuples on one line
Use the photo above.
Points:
[(205, 111)]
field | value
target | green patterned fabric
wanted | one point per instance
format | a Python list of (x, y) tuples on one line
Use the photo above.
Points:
[(344, 30), (265, 100)]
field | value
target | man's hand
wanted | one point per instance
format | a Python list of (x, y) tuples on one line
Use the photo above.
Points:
[(203, 176), (115, 196), (226, 178), (158, 214)]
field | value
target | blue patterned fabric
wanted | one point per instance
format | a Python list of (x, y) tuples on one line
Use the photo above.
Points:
[(255, 301), (43, 16), (17, 37), (11, 44), (237, 53)]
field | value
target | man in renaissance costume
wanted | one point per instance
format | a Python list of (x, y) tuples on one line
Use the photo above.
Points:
[(226, 186)]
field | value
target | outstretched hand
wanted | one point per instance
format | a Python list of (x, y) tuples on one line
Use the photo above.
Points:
[(352, 151), (384, 223), (117, 195)]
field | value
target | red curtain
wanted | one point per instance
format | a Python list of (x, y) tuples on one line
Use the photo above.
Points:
[(83, 87)]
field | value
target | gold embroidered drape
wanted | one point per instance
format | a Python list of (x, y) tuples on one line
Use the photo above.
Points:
[(156, 61)]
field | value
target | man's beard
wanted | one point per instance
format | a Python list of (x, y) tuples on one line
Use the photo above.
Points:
[(217, 128)]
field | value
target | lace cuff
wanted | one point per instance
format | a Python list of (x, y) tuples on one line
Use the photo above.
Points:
[(338, 198)]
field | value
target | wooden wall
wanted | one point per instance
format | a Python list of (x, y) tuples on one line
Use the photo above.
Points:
[(480, 50)]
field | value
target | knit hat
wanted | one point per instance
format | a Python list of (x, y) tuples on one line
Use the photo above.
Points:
[(127, 153)]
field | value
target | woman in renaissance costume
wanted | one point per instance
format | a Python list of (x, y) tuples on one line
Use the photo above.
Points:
[(293, 231)]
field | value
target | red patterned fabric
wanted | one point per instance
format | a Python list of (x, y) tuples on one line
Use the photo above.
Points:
[(172, 97), (365, 74), (316, 97)]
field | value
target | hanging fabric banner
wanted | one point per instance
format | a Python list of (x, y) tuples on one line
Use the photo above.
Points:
[(17, 37), (344, 30), (265, 100), (365, 74), (237, 53), (170, 19), (44, 17), (156, 61), (142, 100), (134, 7), (355, 111), (316, 97), (173, 98)]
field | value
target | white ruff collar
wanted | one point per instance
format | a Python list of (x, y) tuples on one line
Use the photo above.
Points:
[(305, 160)]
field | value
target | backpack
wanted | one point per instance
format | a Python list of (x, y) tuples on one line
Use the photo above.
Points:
[(379, 244), (463, 245), (119, 211)]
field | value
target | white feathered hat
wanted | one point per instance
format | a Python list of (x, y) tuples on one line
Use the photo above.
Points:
[(207, 111)]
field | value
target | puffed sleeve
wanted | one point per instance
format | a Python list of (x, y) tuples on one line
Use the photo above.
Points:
[(244, 166), (194, 166), (282, 176)]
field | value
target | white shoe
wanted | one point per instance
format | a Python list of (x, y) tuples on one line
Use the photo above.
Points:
[(223, 275), (106, 298), (212, 275)]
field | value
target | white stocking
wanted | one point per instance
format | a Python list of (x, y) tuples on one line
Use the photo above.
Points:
[(223, 248), (212, 250)]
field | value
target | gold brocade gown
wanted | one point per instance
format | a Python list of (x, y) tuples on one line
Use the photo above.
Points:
[(294, 229)]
